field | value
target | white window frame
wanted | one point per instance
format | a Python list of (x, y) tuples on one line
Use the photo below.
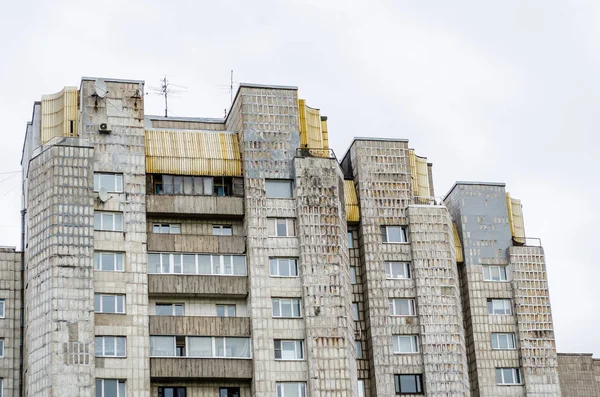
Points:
[(501, 271), (294, 302), (117, 185), (173, 309), (507, 309), (361, 387), (119, 383), (221, 229), (297, 349), (411, 307), (220, 265), (358, 348), (166, 228), (281, 182), (116, 296), (516, 374), (108, 226), (290, 224), (414, 344), (511, 341), (98, 256), (292, 264), (301, 392), (389, 270), (403, 234), (104, 339), (226, 309), (215, 340), (1, 351), (2, 309)]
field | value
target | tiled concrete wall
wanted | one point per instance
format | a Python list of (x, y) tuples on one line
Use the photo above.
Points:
[(201, 306), (10, 324), (203, 389), (578, 376)]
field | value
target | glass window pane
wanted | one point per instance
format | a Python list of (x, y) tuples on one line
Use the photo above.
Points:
[(97, 304), (97, 221), (219, 347), (276, 309), (189, 264), (108, 304), (284, 267), (208, 186), (408, 384), (286, 307), (239, 265), (350, 240), (118, 222), (108, 261), (177, 185), (162, 346), (293, 267), (166, 263), (271, 227), (164, 309), (199, 346), (175, 228), (98, 345), (110, 388), (120, 304), (119, 261), (278, 189), (273, 267), (297, 311), (121, 346), (109, 346), (291, 227), (281, 228), (188, 185), (238, 347), (121, 388), (154, 263), (204, 264)]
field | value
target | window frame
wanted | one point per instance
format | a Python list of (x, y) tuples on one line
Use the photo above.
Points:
[(301, 386), (406, 268), (352, 271), (226, 389), (516, 374), (226, 307), (281, 182), (116, 296), (510, 338), (414, 343), (119, 383), (418, 382), (214, 266), (214, 346), (507, 303), (358, 348), (221, 228), (115, 346), (292, 265), (487, 273), (98, 264), (294, 302), (2, 308), (2, 350), (386, 235), (411, 307), (355, 311), (176, 389), (272, 223), (117, 182), (171, 227), (298, 350), (173, 309), (101, 227), (361, 387)]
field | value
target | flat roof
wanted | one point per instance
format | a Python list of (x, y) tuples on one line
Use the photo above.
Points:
[(272, 86), (113, 80), (499, 184), (362, 138), (192, 119)]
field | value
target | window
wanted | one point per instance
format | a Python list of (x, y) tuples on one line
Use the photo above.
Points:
[(399, 270), (108, 221), (409, 384), (171, 392), (113, 183), (199, 346), (291, 389), (1, 387), (289, 350), (402, 307), (361, 388), (278, 188), (503, 341), (110, 346), (286, 307), (283, 267), (494, 273), (1, 309), (217, 265), (406, 344), (105, 303), (394, 234), (281, 227), (1, 351), (350, 240), (222, 230), (166, 228), (110, 388), (229, 392), (108, 261), (508, 376), (225, 310), (193, 185), (358, 346), (355, 311), (169, 309), (353, 275), (499, 306)]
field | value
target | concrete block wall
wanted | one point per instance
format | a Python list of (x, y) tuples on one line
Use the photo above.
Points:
[(10, 324), (578, 375)]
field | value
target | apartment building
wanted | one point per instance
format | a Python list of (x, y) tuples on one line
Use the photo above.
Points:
[(235, 257)]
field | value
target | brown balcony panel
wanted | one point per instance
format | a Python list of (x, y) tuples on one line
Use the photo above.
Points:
[(192, 285), (193, 243), (214, 368), (195, 205), (196, 325)]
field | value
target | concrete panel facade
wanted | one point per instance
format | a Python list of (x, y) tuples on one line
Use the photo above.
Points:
[(10, 322)]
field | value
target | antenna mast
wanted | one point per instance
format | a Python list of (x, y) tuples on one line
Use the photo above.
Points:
[(231, 87), (164, 90)]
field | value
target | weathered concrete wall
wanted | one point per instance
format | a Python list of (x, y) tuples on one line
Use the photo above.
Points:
[(577, 374), (198, 226), (193, 368), (199, 325), (193, 285), (190, 243), (10, 325), (204, 389), (59, 299), (195, 205)]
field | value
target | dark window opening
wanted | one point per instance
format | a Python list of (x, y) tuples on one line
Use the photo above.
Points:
[(229, 392)]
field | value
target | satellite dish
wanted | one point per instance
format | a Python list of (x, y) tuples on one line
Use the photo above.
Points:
[(100, 87), (103, 195)]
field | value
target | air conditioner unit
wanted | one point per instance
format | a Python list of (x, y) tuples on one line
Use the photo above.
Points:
[(104, 128)]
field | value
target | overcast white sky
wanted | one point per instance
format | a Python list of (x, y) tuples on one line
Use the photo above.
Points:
[(489, 91)]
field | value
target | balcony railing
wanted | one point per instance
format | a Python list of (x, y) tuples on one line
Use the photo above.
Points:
[(527, 241), (428, 200), (312, 152)]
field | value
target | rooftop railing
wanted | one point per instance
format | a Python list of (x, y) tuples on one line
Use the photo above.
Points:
[(312, 152), (527, 241), (428, 200)]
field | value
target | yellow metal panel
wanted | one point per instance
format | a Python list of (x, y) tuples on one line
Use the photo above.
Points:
[(60, 114), (352, 209), (325, 133), (515, 218), (309, 118), (419, 173), (193, 153), (457, 245), (413, 171), (302, 122)]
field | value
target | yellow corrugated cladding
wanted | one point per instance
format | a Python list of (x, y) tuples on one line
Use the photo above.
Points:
[(312, 134), (420, 174), (325, 133), (60, 114), (457, 245), (515, 217), (193, 153), (352, 209)]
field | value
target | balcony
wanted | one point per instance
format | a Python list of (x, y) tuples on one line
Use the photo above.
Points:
[(197, 325), (192, 243), (195, 205), (195, 286), (193, 368)]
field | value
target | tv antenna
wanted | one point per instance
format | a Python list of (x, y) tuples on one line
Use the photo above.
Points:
[(166, 91)]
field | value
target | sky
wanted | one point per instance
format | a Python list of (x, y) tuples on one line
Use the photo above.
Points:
[(488, 91)]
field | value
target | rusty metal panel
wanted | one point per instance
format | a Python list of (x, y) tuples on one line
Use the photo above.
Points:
[(352, 208), (60, 114), (457, 245), (205, 153), (515, 217)]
